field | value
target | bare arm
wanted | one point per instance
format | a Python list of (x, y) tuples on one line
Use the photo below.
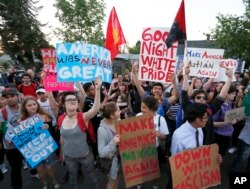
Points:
[(53, 103), (82, 95), (175, 95), (97, 103), (208, 84), (225, 88), (191, 87), (137, 83)]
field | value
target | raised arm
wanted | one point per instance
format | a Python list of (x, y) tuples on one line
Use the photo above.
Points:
[(137, 83), (82, 95), (97, 102), (225, 88), (53, 103), (175, 95), (208, 84)]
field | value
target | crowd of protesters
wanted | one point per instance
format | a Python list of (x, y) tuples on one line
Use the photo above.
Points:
[(187, 109)]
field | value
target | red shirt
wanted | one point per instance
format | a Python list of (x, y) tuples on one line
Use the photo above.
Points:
[(28, 90)]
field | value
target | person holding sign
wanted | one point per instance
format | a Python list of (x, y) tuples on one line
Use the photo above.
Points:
[(150, 105), (108, 141), (29, 108), (74, 145)]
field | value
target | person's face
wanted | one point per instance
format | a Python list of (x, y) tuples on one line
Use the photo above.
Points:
[(41, 96), (10, 71), (2, 102), (219, 87), (197, 84), (31, 107), (120, 78), (116, 115), (144, 108), (122, 88), (200, 98), (231, 96), (11, 99), (26, 79), (71, 102), (201, 122), (31, 72), (91, 91), (157, 91)]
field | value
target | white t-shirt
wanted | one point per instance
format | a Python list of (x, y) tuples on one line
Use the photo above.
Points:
[(159, 125)]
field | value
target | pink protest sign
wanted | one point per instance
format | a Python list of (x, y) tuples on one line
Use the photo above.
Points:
[(49, 60), (51, 84)]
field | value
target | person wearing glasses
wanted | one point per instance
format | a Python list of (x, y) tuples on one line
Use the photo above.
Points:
[(74, 146), (200, 96)]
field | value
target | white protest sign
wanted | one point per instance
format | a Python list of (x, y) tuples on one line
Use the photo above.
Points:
[(157, 62), (228, 63), (204, 62)]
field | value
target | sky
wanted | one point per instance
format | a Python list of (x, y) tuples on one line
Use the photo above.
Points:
[(134, 15)]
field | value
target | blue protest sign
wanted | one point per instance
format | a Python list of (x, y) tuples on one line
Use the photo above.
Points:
[(82, 62), (35, 143)]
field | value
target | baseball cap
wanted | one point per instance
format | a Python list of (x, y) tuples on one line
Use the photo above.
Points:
[(40, 90), (7, 91)]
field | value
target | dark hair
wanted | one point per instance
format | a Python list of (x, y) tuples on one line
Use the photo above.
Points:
[(24, 112), (108, 109), (232, 89), (86, 86), (151, 103), (197, 92), (26, 75), (63, 97), (194, 111), (157, 84)]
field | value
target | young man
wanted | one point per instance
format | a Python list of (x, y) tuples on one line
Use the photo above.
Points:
[(10, 114), (27, 88)]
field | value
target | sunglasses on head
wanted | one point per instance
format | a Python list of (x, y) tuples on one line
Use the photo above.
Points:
[(201, 97)]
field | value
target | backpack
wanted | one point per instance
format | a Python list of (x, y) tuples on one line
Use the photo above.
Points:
[(81, 123)]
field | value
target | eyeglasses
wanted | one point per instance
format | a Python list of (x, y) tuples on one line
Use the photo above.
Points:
[(201, 97), (71, 100)]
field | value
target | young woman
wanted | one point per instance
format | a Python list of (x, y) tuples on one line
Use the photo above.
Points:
[(75, 149), (29, 108), (108, 141), (150, 105)]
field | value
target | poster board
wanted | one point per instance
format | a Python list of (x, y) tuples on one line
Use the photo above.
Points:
[(35, 143), (138, 151), (237, 113), (82, 62), (228, 63), (204, 62), (196, 168), (156, 62)]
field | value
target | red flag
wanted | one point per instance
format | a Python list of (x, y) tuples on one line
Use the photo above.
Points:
[(178, 29), (114, 35)]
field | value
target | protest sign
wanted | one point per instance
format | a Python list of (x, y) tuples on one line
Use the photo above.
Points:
[(35, 143), (196, 168), (138, 151), (83, 62), (49, 60), (157, 62), (204, 62), (228, 63), (240, 65), (51, 84), (237, 113)]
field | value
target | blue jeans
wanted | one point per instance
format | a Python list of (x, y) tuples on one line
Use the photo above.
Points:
[(243, 154), (88, 168)]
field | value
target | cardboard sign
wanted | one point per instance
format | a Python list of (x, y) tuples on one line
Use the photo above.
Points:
[(228, 63), (32, 141), (196, 168), (240, 65), (82, 62), (157, 62), (51, 84), (49, 60), (237, 113), (138, 149), (204, 62)]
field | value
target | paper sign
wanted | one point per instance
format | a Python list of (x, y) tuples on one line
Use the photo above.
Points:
[(157, 62), (228, 63), (138, 150), (237, 113), (204, 62), (32, 141), (196, 168), (82, 62), (49, 60), (51, 84)]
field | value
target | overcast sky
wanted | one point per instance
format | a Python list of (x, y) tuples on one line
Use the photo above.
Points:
[(137, 14)]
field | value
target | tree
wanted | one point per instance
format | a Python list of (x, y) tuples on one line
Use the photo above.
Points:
[(20, 30), (135, 49), (81, 20), (232, 33)]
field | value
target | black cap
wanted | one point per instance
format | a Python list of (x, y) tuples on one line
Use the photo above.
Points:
[(7, 91)]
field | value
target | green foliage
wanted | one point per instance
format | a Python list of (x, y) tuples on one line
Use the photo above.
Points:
[(81, 21), (232, 33), (20, 30), (135, 49)]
